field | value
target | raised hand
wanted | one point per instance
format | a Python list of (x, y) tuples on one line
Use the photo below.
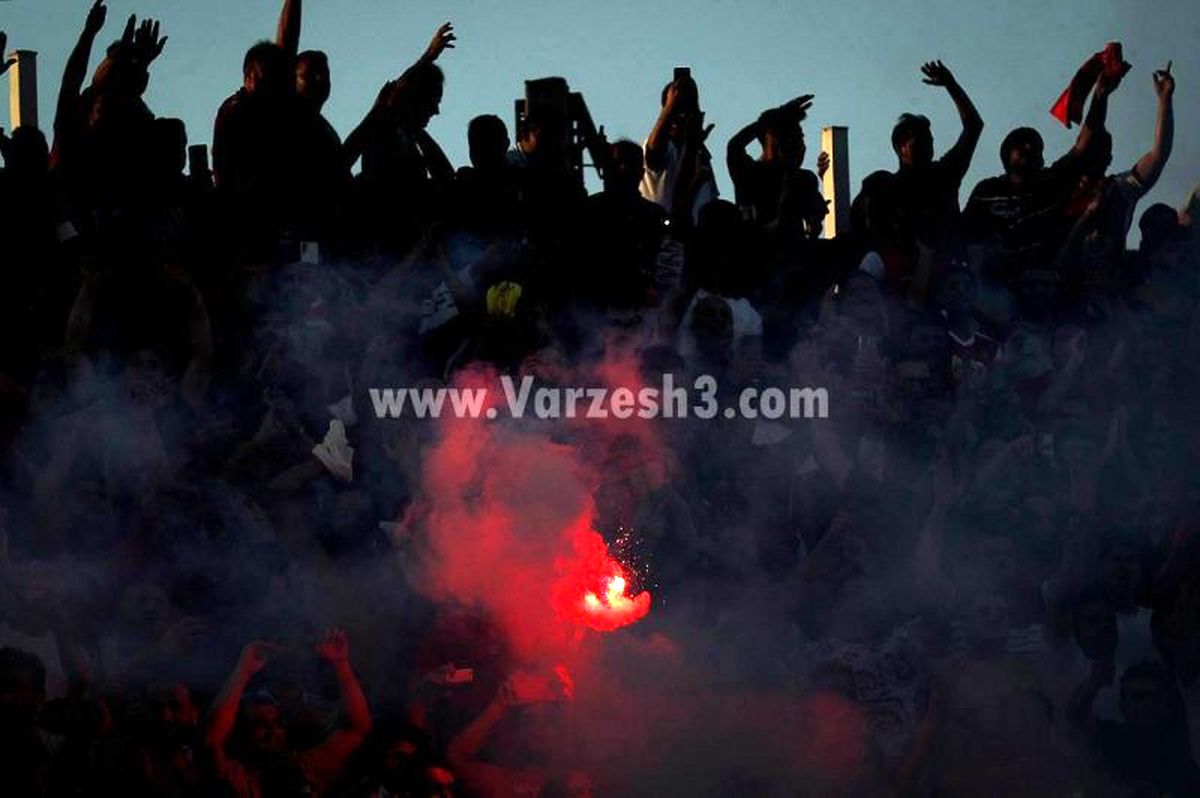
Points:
[(333, 647), (822, 164), (146, 44), (799, 106), (254, 657), (95, 18), (443, 40), (1164, 82), (937, 74), (4, 65)]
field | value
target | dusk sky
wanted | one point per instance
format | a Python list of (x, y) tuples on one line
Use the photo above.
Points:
[(859, 58)]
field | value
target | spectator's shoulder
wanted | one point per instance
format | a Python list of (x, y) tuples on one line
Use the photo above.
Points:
[(232, 104), (991, 187), (808, 178)]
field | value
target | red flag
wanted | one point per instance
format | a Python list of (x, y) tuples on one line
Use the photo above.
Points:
[(1109, 62)]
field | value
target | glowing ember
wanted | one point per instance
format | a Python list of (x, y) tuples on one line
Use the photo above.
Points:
[(615, 609)]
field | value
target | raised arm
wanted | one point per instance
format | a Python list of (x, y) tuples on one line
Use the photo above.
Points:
[(656, 142), (223, 714), (75, 72), (1150, 166), (466, 745), (959, 156), (443, 39), (356, 142), (287, 35), (1094, 121), (326, 760), (736, 157), (4, 65)]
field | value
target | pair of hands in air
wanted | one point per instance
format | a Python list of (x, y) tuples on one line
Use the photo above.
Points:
[(142, 42), (333, 647)]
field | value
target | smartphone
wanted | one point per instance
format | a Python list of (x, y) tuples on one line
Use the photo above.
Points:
[(198, 160), (682, 73), (461, 676)]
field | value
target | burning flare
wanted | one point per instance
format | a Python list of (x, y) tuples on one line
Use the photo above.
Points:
[(592, 587)]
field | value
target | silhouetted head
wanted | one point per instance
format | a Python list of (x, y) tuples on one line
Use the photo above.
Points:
[(122, 72), (488, 142), (1021, 152), (912, 139), (544, 134), (312, 78), (1159, 226), (169, 143), (625, 167), (423, 96), (26, 155), (265, 70), (782, 137)]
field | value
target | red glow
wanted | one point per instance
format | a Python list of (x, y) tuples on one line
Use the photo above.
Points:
[(592, 589)]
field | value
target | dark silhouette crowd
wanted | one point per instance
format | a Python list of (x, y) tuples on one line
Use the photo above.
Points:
[(988, 555)]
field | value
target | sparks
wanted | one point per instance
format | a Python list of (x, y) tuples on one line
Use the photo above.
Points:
[(593, 587)]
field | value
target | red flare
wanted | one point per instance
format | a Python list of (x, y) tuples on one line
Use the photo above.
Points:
[(592, 589)]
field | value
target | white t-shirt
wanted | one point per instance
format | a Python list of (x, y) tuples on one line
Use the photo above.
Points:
[(660, 186)]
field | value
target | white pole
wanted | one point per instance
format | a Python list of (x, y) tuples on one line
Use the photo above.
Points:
[(22, 90), (836, 142)]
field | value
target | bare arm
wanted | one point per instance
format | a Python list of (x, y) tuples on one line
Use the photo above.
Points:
[(656, 142), (443, 39), (326, 760), (466, 745), (4, 65), (1094, 121), (736, 157), (1150, 166), (959, 156), (287, 35), (223, 714), (392, 93), (75, 72)]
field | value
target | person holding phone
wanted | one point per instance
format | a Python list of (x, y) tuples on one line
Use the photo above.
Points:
[(679, 174)]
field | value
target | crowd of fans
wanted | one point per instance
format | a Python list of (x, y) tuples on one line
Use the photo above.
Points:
[(990, 549)]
